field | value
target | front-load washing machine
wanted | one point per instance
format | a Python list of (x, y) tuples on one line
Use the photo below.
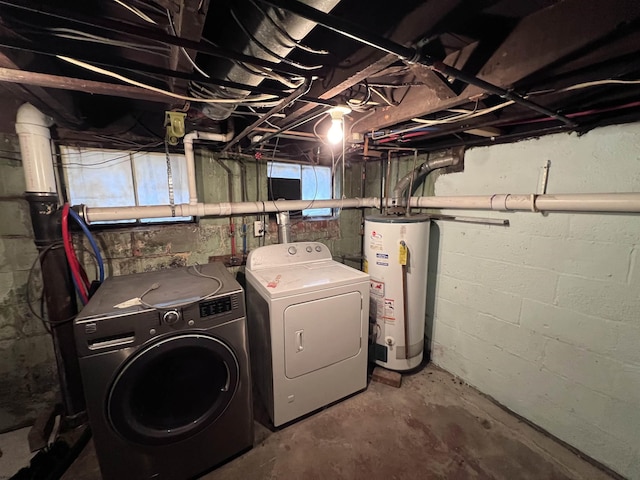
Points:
[(308, 321), (166, 373)]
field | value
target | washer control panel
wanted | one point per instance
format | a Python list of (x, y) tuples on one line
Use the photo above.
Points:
[(287, 254)]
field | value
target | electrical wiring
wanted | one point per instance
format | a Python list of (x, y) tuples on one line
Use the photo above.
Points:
[(81, 283), (262, 46), (464, 116), (111, 161), (78, 35), (356, 104), (156, 286), (599, 82), (285, 34), (294, 82), (443, 121), (41, 255), (385, 99), (315, 128), (92, 242), (259, 114), (580, 86), (108, 73), (137, 12)]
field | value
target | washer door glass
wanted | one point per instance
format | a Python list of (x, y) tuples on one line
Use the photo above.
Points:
[(172, 389)]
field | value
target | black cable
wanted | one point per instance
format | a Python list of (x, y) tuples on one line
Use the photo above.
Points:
[(267, 49), (39, 258)]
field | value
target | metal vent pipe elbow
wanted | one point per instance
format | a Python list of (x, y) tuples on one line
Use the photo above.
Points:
[(413, 178)]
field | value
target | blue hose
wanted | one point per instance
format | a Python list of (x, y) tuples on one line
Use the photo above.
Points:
[(92, 241)]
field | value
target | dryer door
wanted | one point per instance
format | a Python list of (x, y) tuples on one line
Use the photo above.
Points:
[(322, 332), (172, 389)]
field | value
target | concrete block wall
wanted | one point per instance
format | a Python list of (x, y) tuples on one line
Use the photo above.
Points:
[(28, 381), (28, 377), (153, 247), (544, 315)]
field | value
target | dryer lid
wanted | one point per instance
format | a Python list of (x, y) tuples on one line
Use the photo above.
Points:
[(287, 280)]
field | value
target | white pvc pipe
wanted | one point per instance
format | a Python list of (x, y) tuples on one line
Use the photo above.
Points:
[(191, 161), (594, 202), (100, 214), (580, 202), (32, 127)]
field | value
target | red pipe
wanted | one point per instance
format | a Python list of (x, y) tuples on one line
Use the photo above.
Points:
[(79, 275)]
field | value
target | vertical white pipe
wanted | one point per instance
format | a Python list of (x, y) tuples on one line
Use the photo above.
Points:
[(191, 160), (32, 127)]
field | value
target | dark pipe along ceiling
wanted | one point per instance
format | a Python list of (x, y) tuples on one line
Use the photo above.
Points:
[(103, 68)]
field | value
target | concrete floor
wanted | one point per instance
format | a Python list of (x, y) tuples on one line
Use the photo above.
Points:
[(14, 452), (432, 427)]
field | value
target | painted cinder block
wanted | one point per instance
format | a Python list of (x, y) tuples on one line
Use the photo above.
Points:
[(521, 280), (584, 386), (584, 331), (505, 306)]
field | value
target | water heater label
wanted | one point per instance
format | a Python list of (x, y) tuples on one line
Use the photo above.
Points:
[(382, 255), (383, 264), (389, 310), (375, 241), (376, 288)]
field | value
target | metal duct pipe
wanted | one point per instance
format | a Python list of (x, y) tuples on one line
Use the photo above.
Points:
[(267, 34), (413, 178), (32, 127), (284, 227)]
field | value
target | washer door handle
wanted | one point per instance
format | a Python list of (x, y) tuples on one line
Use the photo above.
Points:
[(299, 345), (226, 385)]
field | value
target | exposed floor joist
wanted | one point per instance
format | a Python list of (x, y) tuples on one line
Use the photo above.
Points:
[(539, 40)]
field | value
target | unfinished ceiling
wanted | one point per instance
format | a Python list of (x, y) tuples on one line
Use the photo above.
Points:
[(416, 74)]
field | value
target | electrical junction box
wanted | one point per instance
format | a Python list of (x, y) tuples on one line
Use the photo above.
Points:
[(258, 229)]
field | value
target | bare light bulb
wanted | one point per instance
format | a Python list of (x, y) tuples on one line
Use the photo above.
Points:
[(334, 134)]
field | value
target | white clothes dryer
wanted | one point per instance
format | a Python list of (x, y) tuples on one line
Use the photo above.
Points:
[(308, 322)]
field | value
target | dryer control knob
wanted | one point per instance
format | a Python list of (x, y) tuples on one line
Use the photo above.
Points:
[(170, 317), (309, 249), (318, 248), (292, 250)]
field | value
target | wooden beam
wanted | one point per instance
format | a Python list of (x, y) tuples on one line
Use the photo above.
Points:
[(22, 77), (539, 40), (39, 97)]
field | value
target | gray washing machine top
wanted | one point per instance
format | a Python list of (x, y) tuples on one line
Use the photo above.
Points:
[(175, 286), (196, 297)]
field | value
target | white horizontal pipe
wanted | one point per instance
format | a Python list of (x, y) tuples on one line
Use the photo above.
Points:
[(580, 202), (595, 202), (191, 160), (101, 214)]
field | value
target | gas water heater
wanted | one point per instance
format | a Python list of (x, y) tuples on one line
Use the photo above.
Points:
[(396, 250)]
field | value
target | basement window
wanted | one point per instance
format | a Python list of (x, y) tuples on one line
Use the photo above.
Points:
[(120, 178), (300, 182)]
